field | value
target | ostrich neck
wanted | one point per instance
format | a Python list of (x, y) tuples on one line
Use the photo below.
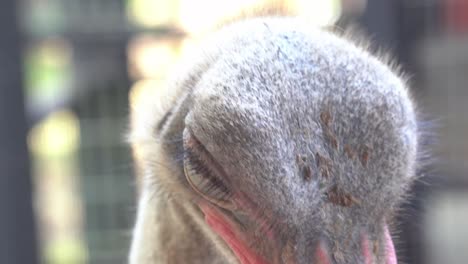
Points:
[(179, 234)]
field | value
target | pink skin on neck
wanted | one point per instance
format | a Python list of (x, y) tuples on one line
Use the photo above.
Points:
[(227, 231)]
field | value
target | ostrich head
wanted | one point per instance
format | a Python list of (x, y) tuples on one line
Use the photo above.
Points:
[(293, 145)]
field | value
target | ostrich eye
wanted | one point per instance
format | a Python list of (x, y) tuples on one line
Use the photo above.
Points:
[(203, 181), (203, 174)]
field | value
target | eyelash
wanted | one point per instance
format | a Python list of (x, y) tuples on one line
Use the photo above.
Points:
[(211, 186)]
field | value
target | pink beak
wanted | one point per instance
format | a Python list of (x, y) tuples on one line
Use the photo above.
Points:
[(225, 229)]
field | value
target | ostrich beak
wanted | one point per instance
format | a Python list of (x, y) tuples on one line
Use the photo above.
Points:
[(233, 237)]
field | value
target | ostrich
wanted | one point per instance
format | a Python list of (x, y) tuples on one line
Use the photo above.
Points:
[(277, 143)]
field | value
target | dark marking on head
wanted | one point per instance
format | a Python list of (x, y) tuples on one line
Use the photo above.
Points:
[(324, 165), (307, 173), (339, 197), (331, 138), (326, 118), (301, 159), (375, 247), (305, 169), (365, 154), (349, 151)]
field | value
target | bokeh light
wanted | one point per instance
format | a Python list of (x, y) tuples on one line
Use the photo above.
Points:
[(53, 143)]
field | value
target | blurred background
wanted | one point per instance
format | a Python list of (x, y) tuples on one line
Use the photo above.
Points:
[(69, 67)]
